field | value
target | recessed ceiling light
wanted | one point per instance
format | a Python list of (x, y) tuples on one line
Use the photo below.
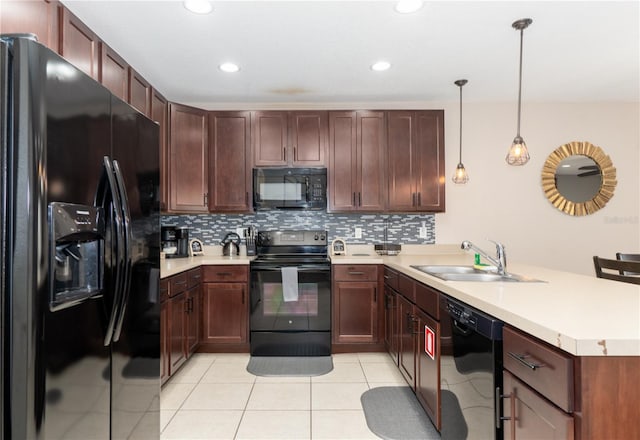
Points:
[(380, 66), (198, 6), (229, 67), (408, 6)]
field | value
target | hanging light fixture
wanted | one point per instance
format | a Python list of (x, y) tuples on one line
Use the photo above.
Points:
[(518, 153), (460, 175)]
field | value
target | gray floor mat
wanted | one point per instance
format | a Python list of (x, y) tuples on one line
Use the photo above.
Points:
[(394, 413), (290, 366)]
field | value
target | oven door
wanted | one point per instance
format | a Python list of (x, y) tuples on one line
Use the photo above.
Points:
[(310, 312)]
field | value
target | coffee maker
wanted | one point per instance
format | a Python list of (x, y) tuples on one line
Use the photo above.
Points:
[(168, 241), (182, 241)]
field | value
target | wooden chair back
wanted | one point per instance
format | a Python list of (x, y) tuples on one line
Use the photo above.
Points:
[(617, 270), (628, 257)]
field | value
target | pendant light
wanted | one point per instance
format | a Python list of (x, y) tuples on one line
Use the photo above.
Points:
[(518, 153), (460, 175)]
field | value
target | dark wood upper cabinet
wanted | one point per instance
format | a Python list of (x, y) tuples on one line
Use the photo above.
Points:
[(160, 114), (357, 149), (34, 17), (113, 72), (416, 160), (307, 138), (296, 139), (229, 150), (78, 44), (188, 159), (139, 95)]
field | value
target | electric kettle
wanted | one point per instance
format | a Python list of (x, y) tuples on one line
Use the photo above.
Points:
[(231, 245)]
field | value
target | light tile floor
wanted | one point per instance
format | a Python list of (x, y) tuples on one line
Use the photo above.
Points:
[(214, 397)]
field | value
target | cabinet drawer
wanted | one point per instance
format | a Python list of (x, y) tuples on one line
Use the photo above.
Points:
[(407, 287), (427, 299), (225, 274), (194, 277), (346, 272), (544, 368), (391, 278), (530, 416), (164, 290), (177, 284)]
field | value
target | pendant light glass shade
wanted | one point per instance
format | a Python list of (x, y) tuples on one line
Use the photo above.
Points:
[(460, 176), (518, 153)]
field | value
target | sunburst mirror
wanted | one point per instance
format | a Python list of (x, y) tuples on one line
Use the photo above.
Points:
[(578, 178)]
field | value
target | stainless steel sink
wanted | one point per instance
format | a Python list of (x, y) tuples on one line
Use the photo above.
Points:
[(469, 273), (432, 270)]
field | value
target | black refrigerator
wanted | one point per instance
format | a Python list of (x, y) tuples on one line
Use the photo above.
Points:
[(79, 254)]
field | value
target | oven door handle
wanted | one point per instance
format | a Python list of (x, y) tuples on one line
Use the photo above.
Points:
[(320, 268)]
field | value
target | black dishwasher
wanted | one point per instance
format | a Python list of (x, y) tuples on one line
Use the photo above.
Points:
[(470, 372)]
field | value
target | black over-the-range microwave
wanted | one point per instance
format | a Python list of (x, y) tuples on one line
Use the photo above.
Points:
[(289, 188)]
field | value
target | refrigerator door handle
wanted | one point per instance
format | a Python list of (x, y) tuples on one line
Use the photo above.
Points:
[(128, 266), (107, 189)]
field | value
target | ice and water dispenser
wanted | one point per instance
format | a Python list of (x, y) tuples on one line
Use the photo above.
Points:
[(77, 235)]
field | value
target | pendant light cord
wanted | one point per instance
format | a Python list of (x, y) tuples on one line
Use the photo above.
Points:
[(519, 82), (460, 161)]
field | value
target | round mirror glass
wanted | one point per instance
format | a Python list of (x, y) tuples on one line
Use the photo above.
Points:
[(578, 178)]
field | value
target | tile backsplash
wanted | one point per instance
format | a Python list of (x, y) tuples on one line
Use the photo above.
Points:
[(401, 228)]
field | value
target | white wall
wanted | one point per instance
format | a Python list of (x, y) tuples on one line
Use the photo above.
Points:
[(506, 203)]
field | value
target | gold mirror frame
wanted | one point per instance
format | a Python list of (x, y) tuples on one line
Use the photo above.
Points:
[(606, 188)]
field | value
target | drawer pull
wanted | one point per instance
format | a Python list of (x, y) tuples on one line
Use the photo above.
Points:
[(387, 277), (356, 273), (224, 274), (180, 283), (522, 358)]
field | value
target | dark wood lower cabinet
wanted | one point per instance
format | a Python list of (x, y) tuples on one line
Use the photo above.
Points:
[(164, 330), (355, 312), (529, 416), (406, 341), (194, 300), (177, 332), (428, 368), (391, 322), (225, 313)]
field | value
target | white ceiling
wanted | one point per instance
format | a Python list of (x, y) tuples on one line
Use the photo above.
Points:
[(301, 52)]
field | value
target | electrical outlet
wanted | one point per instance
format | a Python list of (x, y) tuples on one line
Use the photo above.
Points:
[(358, 233), (423, 232)]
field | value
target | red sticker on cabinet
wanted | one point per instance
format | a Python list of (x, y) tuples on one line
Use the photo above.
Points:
[(429, 342)]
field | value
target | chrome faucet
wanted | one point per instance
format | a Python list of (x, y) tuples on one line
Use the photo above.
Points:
[(501, 257)]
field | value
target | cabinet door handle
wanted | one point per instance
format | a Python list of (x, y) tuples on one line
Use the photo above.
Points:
[(375, 294), (359, 199), (512, 406), (206, 199), (419, 199), (522, 358), (246, 198), (354, 199), (413, 199), (284, 153), (295, 153), (243, 293)]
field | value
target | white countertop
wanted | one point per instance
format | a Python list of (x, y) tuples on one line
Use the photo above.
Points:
[(583, 315)]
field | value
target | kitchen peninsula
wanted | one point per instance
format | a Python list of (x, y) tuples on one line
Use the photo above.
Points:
[(582, 315), (591, 324)]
